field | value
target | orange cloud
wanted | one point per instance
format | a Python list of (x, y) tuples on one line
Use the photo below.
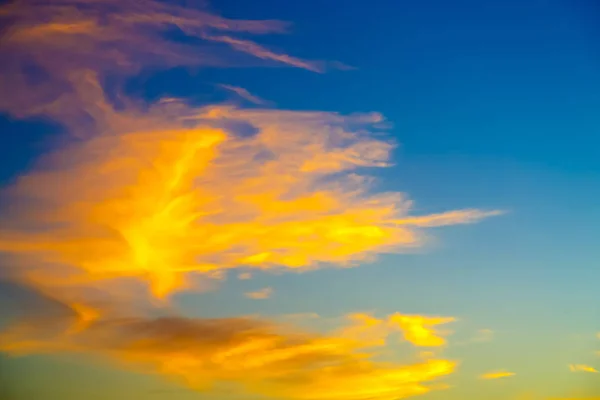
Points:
[(164, 203), (260, 294), (582, 368), (254, 356), (497, 375), (418, 329), (366, 328), (143, 202)]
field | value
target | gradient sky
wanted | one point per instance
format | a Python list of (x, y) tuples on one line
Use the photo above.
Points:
[(493, 105)]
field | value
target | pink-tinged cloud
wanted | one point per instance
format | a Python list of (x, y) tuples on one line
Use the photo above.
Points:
[(244, 94), (50, 48), (261, 294)]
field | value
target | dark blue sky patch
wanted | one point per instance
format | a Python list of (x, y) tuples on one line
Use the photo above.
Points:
[(22, 141)]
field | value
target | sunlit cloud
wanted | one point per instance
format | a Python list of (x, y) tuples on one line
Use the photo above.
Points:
[(171, 192), (260, 294), (416, 329), (141, 202), (497, 375), (582, 368), (165, 204), (419, 330), (251, 355), (244, 276)]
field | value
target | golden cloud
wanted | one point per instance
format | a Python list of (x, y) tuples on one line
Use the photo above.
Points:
[(582, 368), (497, 375), (416, 329), (162, 203), (251, 355), (419, 330), (142, 202), (166, 193)]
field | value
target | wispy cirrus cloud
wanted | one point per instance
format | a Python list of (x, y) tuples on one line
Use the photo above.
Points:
[(143, 202), (261, 294), (582, 368), (497, 375), (52, 48), (244, 94)]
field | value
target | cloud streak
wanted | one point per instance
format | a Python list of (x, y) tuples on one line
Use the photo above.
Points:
[(260, 294), (497, 375), (582, 368), (52, 48), (244, 94)]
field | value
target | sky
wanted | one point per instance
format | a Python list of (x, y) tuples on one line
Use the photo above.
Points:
[(312, 200)]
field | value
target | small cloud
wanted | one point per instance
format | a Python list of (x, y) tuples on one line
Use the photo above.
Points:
[(260, 294), (449, 218), (483, 335), (341, 66), (496, 375), (258, 51), (244, 276), (582, 368), (244, 94), (419, 330)]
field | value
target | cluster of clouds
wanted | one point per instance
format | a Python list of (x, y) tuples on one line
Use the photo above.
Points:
[(139, 202)]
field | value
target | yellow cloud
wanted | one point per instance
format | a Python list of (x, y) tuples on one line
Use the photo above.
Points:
[(418, 329), (142, 202), (163, 203), (582, 368), (171, 194), (256, 356), (260, 294), (497, 375)]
